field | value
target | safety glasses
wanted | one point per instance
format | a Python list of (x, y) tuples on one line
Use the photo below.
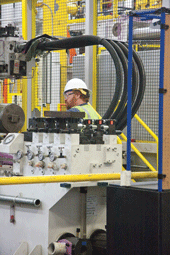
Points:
[(67, 95)]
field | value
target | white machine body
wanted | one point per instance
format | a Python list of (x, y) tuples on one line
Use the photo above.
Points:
[(61, 209)]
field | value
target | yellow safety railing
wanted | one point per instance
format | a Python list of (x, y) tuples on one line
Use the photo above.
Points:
[(72, 178), (139, 154), (149, 131), (146, 127)]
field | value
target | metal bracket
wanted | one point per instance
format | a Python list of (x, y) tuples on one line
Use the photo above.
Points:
[(162, 90), (65, 185), (164, 26), (161, 176)]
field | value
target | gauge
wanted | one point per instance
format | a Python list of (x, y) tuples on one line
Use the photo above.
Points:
[(30, 155), (52, 157), (9, 139), (19, 154), (40, 156)]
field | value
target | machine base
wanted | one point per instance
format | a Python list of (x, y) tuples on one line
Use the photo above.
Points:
[(138, 221)]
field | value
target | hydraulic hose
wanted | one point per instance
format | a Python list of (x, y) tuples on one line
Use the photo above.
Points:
[(69, 43), (119, 79), (123, 100), (142, 84), (135, 86), (88, 40), (119, 53)]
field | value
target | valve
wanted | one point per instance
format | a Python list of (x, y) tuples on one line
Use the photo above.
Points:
[(19, 154), (30, 154), (61, 152), (40, 153), (51, 155)]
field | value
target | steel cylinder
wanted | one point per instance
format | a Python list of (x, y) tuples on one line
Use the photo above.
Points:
[(12, 118), (80, 246), (20, 200), (99, 242)]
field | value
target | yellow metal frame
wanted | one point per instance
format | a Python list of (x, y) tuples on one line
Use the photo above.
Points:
[(149, 131), (9, 1), (74, 21), (139, 154), (24, 89), (10, 95)]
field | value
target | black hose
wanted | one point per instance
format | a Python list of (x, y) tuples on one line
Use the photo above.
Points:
[(69, 43), (119, 79), (119, 54), (87, 40), (135, 86), (142, 84), (121, 105)]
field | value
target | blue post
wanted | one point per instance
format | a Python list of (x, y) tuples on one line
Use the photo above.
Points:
[(129, 99), (161, 85)]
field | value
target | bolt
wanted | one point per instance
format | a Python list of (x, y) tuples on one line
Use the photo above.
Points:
[(114, 149)]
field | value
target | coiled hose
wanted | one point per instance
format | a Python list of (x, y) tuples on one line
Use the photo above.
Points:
[(119, 53)]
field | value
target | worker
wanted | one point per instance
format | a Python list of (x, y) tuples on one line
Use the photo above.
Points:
[(77, 96)]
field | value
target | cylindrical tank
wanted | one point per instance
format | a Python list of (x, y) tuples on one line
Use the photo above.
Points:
[(78, 246), (99, 242), (12, 118)]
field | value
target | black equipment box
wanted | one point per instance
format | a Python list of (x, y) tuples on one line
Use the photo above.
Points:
[(138, 221)]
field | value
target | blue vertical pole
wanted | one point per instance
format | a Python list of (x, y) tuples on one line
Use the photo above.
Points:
[(129, 99), (161, 85)]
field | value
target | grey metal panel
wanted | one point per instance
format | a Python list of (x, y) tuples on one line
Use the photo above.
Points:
[(79, 67), (149, 109), (106, 81)]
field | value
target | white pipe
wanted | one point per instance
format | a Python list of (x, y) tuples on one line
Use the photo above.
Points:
[(20, 200), (57, 248)]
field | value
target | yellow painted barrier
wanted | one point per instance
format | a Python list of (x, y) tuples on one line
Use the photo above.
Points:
[(146, 127), (139, 154), (72, 178)]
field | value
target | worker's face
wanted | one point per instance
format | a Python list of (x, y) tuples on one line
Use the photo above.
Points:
[(70, 99)]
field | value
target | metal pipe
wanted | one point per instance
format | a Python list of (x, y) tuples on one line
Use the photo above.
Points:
[(161, 103), (20, 200), (129, 93), (72, 178)]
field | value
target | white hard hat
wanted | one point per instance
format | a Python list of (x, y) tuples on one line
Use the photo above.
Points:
[(76, 84)]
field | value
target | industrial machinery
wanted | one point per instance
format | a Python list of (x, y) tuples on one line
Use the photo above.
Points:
[(12, 62), (17, 54), (67, 218), (72, 216)]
